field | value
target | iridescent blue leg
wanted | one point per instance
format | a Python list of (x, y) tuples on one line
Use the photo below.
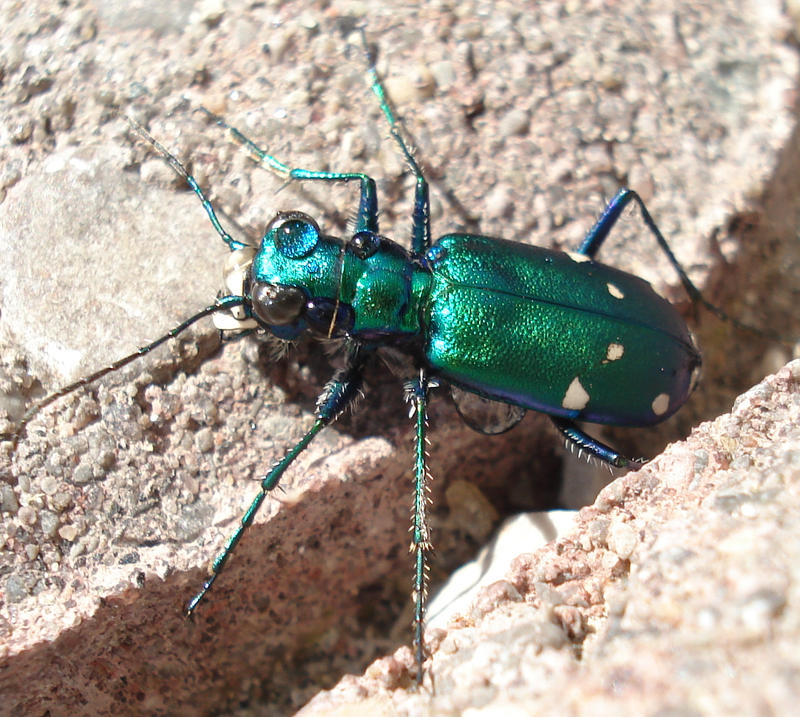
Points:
[(421, 217), (591, 446), (367, 215), (339, 393), (590, 246), (420, 536), (600, 231)]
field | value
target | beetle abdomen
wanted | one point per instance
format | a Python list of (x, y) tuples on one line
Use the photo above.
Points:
[(555, 332)]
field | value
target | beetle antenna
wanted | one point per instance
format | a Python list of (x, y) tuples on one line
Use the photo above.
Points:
[(223, 304), (179, 169)]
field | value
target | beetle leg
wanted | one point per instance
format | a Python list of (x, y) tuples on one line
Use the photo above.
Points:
[(367, 215), (592, 446), (598, 233), (420, 535), (421, 217), (339, 393)]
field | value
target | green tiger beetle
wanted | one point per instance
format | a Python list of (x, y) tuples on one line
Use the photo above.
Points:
[(509, 327)]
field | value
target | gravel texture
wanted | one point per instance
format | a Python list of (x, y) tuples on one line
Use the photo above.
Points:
[(527, 118)]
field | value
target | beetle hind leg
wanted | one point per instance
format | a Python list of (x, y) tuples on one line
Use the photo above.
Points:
[(417, 392), (592, 447)]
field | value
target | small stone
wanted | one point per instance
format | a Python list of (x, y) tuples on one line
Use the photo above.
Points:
[(82, 474), (16, 590), (31, 551), (158, 173), (61, 501), (48, 521), (68, 532), (622, 539), (27, 515), (49, 485), (21, 131), (515, 123), (204, 440), (499, 202), (443, 73), (8, 499)]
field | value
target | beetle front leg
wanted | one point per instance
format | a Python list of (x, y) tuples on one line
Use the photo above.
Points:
[(339, 393), (592, 446)]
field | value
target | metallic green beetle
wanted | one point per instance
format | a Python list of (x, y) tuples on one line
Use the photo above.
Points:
[(538, 329), (510, 327)]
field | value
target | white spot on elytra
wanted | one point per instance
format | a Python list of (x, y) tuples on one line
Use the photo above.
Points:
[(615, 291), (576, 397), (614, 352), (577, 257), (660, 404)]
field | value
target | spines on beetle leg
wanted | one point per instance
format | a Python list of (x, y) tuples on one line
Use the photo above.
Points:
[(417, 393)]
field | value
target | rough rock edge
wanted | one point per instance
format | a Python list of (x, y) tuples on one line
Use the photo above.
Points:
[(595, 589)]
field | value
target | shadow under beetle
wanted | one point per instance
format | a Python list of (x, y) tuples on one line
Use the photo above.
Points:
[(508, 326)]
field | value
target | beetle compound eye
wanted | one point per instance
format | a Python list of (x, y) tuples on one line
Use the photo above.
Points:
[(295, 234), (277, 305)]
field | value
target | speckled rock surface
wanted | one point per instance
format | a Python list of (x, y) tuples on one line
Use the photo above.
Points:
[(526, 118), (676, 593)]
